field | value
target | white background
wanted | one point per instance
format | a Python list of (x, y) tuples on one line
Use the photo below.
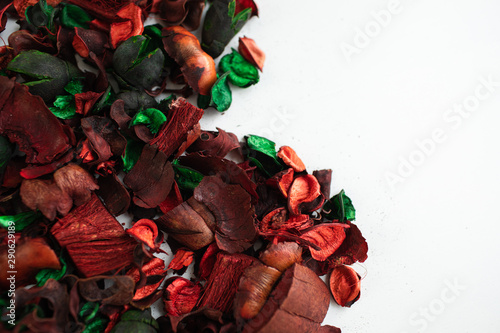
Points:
[(433, 234)]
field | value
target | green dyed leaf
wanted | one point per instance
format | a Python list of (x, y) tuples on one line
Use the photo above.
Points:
[(64, 107), (94, 321), (339, 207), (72, 16), (49, 273), (151, 117), (186, 178), (241, 18), (132, 153), (262, 153), (20, 221), (241, 72), (41, 15), (136, 321), (262, 145), (203, 101), (5, 152), (221, 94), (75, 86)]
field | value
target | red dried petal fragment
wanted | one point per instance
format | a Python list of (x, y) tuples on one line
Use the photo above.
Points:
[(128, 23), (255, 286), (104, 137), (207, 262), (251, 52), (154, 267), (345, 285), (190, 223), (227, 170), (304, 189), (196, 65), (31, 256), (234, 214), (151, 178), (192, 136), (184, 116), (173, 199), (327, 237), (182, 12), (223, 281), (146, 232), (298, 304), (277, 220), (324, 178), (290, 158), (86, 41), (23, 40), (282, 181), (87, 154), (106, 10), (353, 249), (216, 144), (35, 171), (76, 182), (119, 293), (46, 196), (244, 4), (281, 255), (54, 295), (95, 240), (182, 258), (26, 121), (21, 5), (85, 101), (181, 296)]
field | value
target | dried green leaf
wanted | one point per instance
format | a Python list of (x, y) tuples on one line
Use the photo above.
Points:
[(152, 118), (64, 107), (186, 178), (241, 73), (132, 153), (19, 221), (49, 273), (72, 16), (339, 207), (221, 94)]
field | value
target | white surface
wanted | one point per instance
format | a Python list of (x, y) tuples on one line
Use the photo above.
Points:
[(438, 226)]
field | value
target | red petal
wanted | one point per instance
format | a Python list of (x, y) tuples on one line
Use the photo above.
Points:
[(146, 231), (251, 52), (327, 237), (304, 189), (182, 258), (131, 24), (289, 156), (345, 285), (155, 266), (180, 296), (282, 181)]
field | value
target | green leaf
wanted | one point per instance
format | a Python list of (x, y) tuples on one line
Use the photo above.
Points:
[(64, 107), (185, 177), (339, 207), (75, 86), (136, 321), (49, 273), (72, 16), (221, 94), (94, 320), (20, 221), (203, 101), (151, 117), (241, 72), (132, 153), (262, 153)]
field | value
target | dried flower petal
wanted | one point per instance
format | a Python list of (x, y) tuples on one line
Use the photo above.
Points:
[(182, 12), (251, 52), (345, 285), (154, 267), (290, 158), (181, 296), (76, 182), (282, 181), (182, 258), (304, 189), (146, 232), (46, 196), (327, 237), (129, 24), (216, 144)]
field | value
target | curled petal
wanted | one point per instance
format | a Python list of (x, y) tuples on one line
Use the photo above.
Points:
[(345, 285), (304, 189), (290, 157), (46, 196), (251, 52), (75, 182), (128, 24), (181, 296)]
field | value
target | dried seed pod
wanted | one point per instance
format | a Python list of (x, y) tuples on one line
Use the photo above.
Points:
[(345, 285), (197, 66), (298, 304), (282, 255), (255, 286)]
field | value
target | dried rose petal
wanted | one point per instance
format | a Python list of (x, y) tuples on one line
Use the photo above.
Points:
[(282, 181), (208, 260), (46, 196), (86, 41), (251, 52), (324, 178), (128, 24), (182, 258), (327, 237), (181, 296), (304, 189), (23, 40), (146, 231), (76, 182), (173, 199), (154, 267), (216, 144), (345, 285), (290, 158)]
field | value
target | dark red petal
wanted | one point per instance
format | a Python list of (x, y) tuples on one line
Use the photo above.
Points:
[(181, 296), (76, 182), (327, 237), (216, 144), (154, 267), (182, 258), (46, 196), (304, 189)]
